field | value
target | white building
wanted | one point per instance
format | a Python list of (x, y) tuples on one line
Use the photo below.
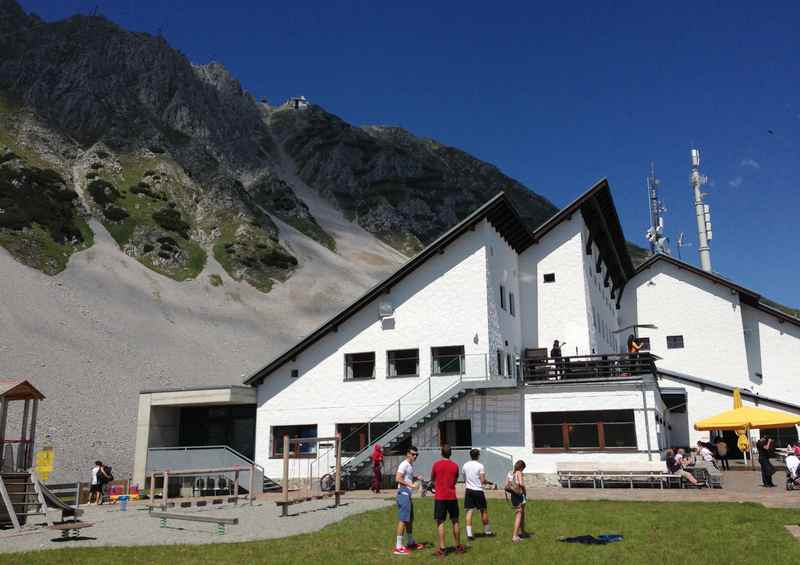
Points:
[(454, 348)]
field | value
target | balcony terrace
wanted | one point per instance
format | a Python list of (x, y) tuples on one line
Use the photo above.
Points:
[(540, 369)]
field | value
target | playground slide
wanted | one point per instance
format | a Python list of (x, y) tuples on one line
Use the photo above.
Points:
[(55, 503)]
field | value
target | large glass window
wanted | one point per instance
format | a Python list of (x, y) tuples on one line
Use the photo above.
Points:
[(296, 449), (356, 437), (359, 366), (403, 363), (447, 360), (593, 430)]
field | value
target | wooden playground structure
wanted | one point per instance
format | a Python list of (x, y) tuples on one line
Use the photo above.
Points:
[(306, 490)]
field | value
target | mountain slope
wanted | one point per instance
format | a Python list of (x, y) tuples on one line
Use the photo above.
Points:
[(161, 228)]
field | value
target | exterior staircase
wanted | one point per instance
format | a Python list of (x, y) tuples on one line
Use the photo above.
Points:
[(422, 413), (19, 499)]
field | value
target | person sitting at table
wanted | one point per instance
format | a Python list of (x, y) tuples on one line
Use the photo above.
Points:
[(675, 466)]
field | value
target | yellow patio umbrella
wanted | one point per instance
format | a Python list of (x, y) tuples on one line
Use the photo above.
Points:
[(747, 417)]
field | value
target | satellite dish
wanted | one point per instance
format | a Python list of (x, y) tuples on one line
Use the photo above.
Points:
[(385, 309)]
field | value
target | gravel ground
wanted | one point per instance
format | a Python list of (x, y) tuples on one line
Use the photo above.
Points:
[(135, 527)]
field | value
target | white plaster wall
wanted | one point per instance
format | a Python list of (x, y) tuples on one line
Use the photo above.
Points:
[(773, 350), (555, 310), (708, 316), (565, 400), (704, 402), (502, 269), (502, 419), (601, 312), (443, 303)]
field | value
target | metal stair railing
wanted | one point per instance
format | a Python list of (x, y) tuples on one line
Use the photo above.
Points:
[(419, 410), (204, 457)]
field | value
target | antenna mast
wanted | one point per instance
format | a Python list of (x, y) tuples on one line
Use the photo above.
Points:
[(655, 234), (702, 212)]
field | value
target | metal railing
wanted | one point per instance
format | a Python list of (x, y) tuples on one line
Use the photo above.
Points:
[(608, 366), (417, 402), (203, 457)]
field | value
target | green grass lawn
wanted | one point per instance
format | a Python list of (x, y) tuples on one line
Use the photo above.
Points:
[(655, 533)]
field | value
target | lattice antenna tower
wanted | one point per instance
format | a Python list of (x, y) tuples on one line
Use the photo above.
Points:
[(655, 233), (702, 213)]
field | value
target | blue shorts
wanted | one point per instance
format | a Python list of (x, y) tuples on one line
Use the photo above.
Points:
[(405, 509)]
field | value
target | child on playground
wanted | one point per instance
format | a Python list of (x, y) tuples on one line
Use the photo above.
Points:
[(515, 486), (405, 510)]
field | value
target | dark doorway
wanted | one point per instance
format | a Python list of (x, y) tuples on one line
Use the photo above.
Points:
[(456, 433), (232, 425), (730, 438)]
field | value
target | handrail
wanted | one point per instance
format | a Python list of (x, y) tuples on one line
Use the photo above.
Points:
[(227, 448)]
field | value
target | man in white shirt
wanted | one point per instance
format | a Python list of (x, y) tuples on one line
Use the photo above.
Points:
[(474, 499), (96, 486), (405, 510)]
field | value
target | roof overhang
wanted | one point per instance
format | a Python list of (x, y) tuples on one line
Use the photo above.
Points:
[(746, 296), (200, 396), (596, 206), (19, 390), (498, 211)]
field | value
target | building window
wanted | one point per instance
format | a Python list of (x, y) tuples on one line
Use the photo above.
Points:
[(502, 297), (295, 373), (356, 437), (549, 277), (645, 343), (403, 363), (674, 342), (509, 366), (296, 449), (500, 362), (591, 430), (511, 306), (359, 366), (447, 360)]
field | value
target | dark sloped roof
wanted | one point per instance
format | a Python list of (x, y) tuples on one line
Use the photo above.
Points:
[(499, 211), (596, 206), (747, 296), (600, 215)]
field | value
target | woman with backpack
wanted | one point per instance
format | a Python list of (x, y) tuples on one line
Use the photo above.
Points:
[(515, 487)]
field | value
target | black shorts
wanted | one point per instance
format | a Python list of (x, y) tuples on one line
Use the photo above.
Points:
[(474, 499), (96, 488), (443, 508)]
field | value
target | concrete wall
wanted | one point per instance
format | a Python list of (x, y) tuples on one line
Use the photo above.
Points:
[(556, 310), (502, 419), (443, 303), (707, 315)]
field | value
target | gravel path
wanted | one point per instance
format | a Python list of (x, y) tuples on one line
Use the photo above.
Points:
[(135, 527)]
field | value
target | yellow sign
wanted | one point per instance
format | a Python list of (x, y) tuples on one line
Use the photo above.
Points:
[(44, 462), (742, 443)]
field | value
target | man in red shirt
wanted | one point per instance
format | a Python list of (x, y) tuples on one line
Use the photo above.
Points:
[(444, 475)]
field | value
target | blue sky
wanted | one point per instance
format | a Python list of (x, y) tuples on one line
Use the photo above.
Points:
[(555, 94)]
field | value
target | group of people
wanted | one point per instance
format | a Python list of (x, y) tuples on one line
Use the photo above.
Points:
[(444, 475), (101, 475)]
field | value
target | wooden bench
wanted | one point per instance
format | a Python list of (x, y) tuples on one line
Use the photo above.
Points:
[(631, 473), (218, 520), (70, 530)]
